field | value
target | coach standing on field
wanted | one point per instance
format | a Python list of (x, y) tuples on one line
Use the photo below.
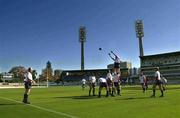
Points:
[(27, 84)]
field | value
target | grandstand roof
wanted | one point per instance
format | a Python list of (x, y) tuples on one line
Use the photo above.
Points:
[(162, 54)]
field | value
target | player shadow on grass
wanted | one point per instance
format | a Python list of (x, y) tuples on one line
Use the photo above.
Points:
[(79, 97), (96, 97), (3, 104), (134, 98)]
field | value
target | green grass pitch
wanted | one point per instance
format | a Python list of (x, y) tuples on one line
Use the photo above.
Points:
[(72, 102)]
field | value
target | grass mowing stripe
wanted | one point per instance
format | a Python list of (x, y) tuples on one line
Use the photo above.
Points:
[(41, 108)]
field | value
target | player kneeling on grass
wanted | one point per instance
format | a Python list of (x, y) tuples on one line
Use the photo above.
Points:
[(142, 79), (117, 86), (110, 83), (158, 82), (28, 83), (103, 83), (92, 84)]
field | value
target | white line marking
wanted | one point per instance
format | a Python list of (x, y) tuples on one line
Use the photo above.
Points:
[(41, 108)]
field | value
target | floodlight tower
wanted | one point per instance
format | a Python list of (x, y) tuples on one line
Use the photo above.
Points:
[(82, 39), (140, 35)]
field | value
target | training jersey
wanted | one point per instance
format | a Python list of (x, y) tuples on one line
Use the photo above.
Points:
[(116, 77), (83, 81), (164, 80), (109, 76), (92, 79), (103, 80), (28, 77), (157, 75), (142, 78)]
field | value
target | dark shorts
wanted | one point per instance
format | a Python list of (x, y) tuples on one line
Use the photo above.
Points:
[(158, 82), (143, 85), (103, 84), (109, 83), (27, 85), (116, 84), (83, 85), (93, 85), (116, 65)]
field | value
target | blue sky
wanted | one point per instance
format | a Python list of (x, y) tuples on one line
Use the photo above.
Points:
[(35, 31)]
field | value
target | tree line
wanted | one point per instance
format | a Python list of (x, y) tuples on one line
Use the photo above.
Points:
[(47, 73)]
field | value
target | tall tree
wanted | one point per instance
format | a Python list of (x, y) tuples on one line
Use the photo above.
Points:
[(57, 76), (34, 74), (1, 77), (18, 72), (47, 73)]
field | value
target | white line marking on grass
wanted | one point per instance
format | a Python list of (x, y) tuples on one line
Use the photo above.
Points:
[(41, 108)]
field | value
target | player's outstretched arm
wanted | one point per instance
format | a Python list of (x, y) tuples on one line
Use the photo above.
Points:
[(114, 53), (111, 57)]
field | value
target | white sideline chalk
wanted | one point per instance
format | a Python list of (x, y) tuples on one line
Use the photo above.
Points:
[(41, 108)]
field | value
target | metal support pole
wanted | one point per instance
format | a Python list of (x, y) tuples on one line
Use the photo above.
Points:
[(82, 55)]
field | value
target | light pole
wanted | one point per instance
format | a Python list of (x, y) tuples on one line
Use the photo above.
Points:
[(47, 78), (82, 39), (38, 82), (140, 35)]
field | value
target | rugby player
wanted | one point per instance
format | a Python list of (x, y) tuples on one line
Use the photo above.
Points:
[(164, 82), (109, 79), (103, 83), (83, 83), (142, 79), (146, 83), (158, 82), (116, 79), (27, 84), (92, 84), (116, 60)]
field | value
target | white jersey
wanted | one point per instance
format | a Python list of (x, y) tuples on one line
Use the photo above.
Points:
[(116, 77), (28, 77), (142, 78), (103, 80), (164, 80), (157, 75), (92, 79), (109, 76), (83, 81)]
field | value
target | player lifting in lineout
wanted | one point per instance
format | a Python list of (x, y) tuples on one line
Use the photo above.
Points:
[(110, 82), (103, 83), (92, 84), (117, 82)]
